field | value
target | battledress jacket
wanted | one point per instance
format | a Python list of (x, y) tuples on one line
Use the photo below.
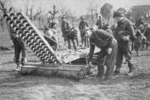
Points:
[(64, 27), (101, 39), (124, 25)]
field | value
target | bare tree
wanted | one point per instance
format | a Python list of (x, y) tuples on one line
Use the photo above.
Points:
[(93, 9), (30, 9), (2, 10), (54, 12)]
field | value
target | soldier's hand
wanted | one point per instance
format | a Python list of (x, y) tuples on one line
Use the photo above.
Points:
[(126, 38), (109, 51)]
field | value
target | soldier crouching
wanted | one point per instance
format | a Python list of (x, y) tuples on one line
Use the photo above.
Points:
[(107, 56)]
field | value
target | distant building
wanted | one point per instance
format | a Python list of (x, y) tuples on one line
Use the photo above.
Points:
[(140, 10)]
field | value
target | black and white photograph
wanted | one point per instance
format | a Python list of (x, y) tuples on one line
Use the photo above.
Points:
[(74, 50)]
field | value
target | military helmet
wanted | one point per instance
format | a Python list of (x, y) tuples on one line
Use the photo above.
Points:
[(118, 14), (82, 17)]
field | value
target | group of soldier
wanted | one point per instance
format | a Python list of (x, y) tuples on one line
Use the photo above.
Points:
[(115, 45), (114, 42), (118, 45)]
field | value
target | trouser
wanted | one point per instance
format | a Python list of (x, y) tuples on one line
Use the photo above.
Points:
[(123, 50), (137, 44), (64, 36), (108, 60), (19, 47), (84, 39), (77, 41), (82, 34), (73, 42)]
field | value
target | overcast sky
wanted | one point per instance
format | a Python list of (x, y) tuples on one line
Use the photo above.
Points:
[(79, 7)]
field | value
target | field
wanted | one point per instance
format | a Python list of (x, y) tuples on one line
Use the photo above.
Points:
[(14, 86)]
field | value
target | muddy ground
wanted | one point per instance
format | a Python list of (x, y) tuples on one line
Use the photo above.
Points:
[(14, 86)]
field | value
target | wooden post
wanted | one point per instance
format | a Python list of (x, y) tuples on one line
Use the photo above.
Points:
[(54, 12)]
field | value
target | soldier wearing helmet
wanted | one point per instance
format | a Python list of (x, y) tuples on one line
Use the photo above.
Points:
[(64, 28), (124, 34), (82, 25)]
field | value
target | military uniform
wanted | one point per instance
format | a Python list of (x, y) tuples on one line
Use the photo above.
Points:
[(72, 37), (138, 41), (19, 47), (100, 23), (65, 28), (124, 33), (104, 40), (52, 25), (140, 22), (82, 25)]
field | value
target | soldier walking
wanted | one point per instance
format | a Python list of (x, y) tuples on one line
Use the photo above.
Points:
[(124, 34)]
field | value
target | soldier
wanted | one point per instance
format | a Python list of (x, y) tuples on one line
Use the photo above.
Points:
[(82, 25), (107, 56), (140, 21), (100, 22), (138, 41), (52, 24), (64, 28), (19, 47), (124, 33), (72, 37)]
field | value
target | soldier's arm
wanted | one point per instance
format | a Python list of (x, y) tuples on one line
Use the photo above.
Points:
[(131, 31), (92, 48), (110, 41), (105, 34)]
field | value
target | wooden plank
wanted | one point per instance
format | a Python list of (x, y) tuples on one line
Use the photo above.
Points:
[(65, 70), (81, 53)]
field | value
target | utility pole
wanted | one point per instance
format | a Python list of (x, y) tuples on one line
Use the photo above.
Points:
[(54, 12)]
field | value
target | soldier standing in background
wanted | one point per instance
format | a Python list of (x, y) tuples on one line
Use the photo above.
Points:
[(82, 25), (64, 28)]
